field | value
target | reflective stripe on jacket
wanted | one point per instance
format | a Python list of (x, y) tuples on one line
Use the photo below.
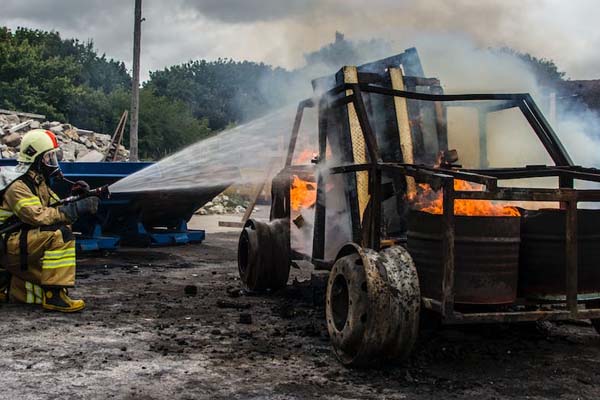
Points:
[(32, 208)]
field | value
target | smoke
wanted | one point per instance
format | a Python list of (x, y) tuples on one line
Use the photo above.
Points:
[(549, 29), (280, 32), (461, 64)]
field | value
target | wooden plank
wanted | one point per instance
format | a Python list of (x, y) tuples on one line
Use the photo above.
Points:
[(403, 122), (259, 190), (231, 224), (23, 114), (20, 126), (255, 197), (84, 132), (571, 257), (113, 148)]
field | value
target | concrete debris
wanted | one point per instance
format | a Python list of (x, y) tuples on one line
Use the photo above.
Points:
[(91, 156), (12, 139), (20, 126), (76, 144), (224, 204), (240, 209)]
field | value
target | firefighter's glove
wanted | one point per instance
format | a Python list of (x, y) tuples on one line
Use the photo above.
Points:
[(80, 188), (86, 206)]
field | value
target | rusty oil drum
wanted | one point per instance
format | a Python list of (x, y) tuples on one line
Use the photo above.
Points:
[(542, 258), (486, 257)]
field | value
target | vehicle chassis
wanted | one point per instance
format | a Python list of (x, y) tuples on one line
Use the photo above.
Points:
[(367, 235), (443, 178)]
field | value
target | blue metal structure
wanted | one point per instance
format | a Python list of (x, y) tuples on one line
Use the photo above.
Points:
[(138, 219)]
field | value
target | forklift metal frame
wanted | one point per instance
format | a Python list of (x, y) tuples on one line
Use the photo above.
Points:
[(443, 178)]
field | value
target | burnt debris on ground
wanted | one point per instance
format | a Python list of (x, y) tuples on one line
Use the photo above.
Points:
[(152, 339)]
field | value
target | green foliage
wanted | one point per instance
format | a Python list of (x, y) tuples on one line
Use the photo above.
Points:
[(94, 71), (223, 91), (93, 109), (33, 81), (345, 52), (230, 92), (545, 70), (41, 73), (67, 80), (174, 128)]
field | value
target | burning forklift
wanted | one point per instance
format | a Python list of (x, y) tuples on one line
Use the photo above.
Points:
[(406, 224)]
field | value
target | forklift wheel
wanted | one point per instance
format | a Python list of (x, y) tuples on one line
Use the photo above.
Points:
[(263, 255), (372, 306)]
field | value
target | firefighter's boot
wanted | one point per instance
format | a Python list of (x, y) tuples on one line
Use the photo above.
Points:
[(4, 284), (57, 299)]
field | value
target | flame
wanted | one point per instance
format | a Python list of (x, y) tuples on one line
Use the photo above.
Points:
[(427, 200), (305, 157), (303, 194)]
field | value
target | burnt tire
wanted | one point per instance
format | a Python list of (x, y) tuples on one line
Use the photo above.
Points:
[(372, 306), (264, 255)]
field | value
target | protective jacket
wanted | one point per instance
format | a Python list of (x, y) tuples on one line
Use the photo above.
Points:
[(42, 252)]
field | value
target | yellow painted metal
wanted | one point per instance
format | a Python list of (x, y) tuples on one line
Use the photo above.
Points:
[(359, 149)]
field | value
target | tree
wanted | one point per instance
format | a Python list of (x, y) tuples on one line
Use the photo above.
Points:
[(40, 72), (346, 52), (223, 91), (174, 128), (67, 80), (545, 70)]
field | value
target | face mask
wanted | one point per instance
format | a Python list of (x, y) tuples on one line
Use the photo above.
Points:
[(49, 165), (50, 160)]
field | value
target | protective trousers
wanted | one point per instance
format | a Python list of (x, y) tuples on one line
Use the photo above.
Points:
[(45, 259)]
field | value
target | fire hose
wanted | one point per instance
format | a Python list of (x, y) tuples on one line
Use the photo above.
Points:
[(82, 193)]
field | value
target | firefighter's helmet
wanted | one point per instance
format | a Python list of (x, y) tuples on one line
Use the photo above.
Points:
[(35, 143)]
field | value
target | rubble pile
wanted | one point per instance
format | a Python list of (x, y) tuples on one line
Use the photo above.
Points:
[(223, 204), (76, 144)]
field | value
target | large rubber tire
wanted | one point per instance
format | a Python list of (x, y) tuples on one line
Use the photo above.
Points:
[(372, 306), (264, 255)]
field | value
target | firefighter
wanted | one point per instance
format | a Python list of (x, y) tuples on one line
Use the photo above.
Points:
[(40, 256)]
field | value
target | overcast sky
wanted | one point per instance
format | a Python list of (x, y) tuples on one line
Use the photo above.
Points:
[(279, 32)]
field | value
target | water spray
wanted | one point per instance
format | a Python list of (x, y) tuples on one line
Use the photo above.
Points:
[(217, 160)]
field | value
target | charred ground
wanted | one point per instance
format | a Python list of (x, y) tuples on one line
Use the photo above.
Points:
[(173, 323)]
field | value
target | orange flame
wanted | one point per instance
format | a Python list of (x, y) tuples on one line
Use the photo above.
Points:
[(303, 194), (305, 157), (430, 201)]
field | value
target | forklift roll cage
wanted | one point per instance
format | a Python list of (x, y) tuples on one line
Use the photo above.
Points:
[(369, 233)]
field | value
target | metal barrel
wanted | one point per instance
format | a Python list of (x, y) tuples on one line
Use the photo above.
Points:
[(486, 257), (542, 257)]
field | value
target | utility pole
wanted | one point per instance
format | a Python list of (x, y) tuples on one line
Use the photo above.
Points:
[(135, 88)]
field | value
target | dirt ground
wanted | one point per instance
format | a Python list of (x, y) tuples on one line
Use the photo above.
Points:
[(143, 337)]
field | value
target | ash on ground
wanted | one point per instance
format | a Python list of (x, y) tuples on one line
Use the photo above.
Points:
[(175, 323)]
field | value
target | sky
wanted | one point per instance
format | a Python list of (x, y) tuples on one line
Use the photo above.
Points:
[(279, 32)]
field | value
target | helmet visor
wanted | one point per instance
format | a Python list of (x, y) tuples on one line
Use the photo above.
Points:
[(50, 159)]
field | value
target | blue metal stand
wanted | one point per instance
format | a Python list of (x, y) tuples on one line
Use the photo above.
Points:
[(163, 237), (96, 241)]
